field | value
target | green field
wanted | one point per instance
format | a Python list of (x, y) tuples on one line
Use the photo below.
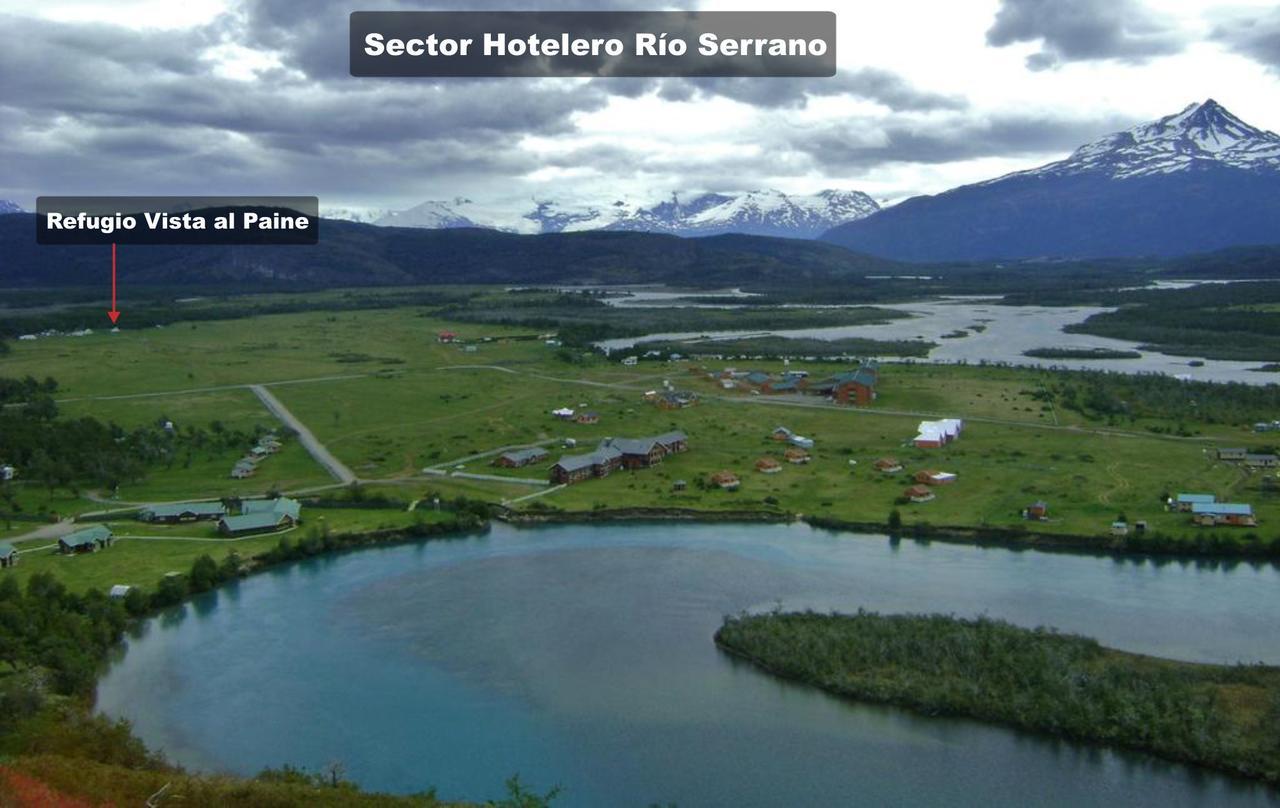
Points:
[(388, 399)]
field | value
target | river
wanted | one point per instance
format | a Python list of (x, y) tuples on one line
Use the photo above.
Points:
[(1002, 335), (582, 655)]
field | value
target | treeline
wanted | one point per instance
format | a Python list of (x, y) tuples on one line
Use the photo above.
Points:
[(1109, 395), (1061, 684), (161, 311)]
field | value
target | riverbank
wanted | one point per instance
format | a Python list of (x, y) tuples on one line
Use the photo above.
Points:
[(57, 749), (1214, 547), (1068, 686)]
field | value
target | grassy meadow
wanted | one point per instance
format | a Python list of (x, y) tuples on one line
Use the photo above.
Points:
[(388, 399)]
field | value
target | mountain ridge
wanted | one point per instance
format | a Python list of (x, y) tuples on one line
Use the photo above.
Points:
[(1195, 181)]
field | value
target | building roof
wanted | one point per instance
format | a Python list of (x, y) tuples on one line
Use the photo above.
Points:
[(1194, 498), (1223, 508), (525, 455), (179, 508), (599, 457), (87, 535), (7, 549), (252, 521), (120, 590), (283, 506), (919, 491)]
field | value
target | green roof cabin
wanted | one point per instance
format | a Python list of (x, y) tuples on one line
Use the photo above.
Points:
[(182, 512), (86, 540)]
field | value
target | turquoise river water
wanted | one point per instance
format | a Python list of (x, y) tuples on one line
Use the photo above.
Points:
[(582, 656)]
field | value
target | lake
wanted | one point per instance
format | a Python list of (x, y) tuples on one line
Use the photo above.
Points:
[(582, 655)]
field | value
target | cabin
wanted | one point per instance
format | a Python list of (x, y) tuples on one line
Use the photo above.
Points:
[(918, 493), (936, 434), (1261, 461), (119, 591), (796, 455), (630, 362), (782, 386), (679, 485), (757, 378), (768, 465), (801, 441), (1037, 511), (8, 554), (726, 480), (782, 434), (520, 457), (931, 477), (243, 470), (446, 337), (1236, 514), (1185, 502), (587, 418), (1232, 455), (675, 400), (888, 465), (1119, 528), (182, 512), (7, 472), (86, 540)]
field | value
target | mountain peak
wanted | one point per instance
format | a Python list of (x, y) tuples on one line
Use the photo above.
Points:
[(1201, 135)]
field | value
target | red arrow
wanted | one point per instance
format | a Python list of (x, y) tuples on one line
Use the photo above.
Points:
[(113, 314)]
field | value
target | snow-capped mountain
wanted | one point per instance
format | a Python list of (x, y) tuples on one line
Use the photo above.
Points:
[(362, 215), (758, 213), (7, 206), (1198, 180), (765, 213), (1202, 133)]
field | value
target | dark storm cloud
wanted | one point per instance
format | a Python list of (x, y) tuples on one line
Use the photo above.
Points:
[(1254, 34), (845, 146), (1083, 30)]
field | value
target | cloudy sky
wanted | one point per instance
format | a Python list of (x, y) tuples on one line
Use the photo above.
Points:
[(235, 97)]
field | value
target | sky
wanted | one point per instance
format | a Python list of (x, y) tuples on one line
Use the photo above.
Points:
[(246, 97)]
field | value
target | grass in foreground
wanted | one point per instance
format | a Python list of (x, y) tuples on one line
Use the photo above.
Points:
[(1225, 717)]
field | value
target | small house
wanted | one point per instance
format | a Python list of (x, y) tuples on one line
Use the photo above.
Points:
[(796, 455), (520, 457), (782, 434), (801, 441), (768, 465), (726, 480), (1038, 511), (587, 418), (630, 361), (446, 337), (936, 434), (918, 493), (1119, 528), (119, 591), (85, 540), (1233, 455), (888, 465), (1185, 502), (7, 472), (931, 477), (679, 485), (8, 554), (1261, 461)]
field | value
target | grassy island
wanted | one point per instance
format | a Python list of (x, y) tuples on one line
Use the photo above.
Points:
[(1081, 353), (1224, 717)]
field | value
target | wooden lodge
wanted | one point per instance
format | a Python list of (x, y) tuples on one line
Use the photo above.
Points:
[(615, 453), (520, 457)]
